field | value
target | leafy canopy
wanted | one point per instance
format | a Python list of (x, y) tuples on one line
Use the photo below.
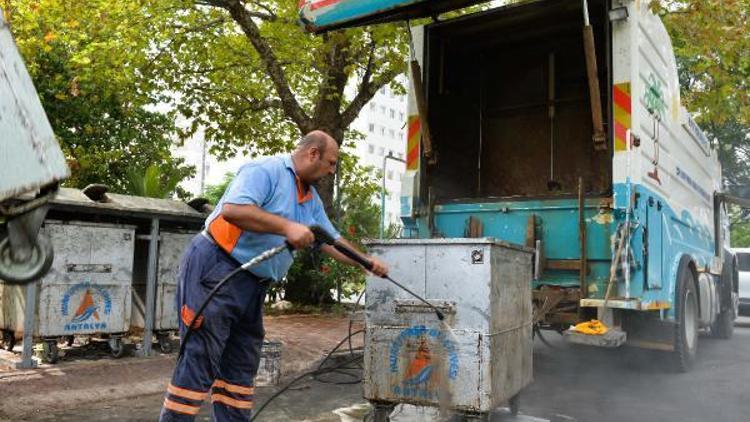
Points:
[(87, 61)]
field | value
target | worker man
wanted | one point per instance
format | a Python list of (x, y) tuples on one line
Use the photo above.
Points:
[(270, 201)]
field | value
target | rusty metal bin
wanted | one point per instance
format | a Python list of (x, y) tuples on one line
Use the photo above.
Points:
[(481, 357), (86, 292), (172, 245)]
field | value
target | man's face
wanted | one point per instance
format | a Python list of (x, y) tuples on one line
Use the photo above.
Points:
[(324, 164)]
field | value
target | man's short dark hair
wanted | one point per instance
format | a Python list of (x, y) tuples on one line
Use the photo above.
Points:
[(315, 139)]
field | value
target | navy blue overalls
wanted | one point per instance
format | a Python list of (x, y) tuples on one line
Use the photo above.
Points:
[(222, 355)]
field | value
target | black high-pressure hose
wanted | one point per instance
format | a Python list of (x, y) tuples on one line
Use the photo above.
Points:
[(246, 266)]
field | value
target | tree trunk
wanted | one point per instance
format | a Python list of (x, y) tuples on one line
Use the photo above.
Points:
[(307, 286)]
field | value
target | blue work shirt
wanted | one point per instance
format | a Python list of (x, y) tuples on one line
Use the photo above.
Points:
[(271, 184)]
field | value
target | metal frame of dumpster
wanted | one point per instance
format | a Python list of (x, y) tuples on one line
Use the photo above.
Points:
[(147, 215), (483, 288), (172, 245), (86, 292)]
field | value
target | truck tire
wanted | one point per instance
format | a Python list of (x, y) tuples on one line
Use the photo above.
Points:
[(723, 327), (686, 324)]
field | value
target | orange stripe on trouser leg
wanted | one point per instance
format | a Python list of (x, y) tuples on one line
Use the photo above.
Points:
[(188, 394), (234, 388), (181, 408), (187, 316), (239, 404)]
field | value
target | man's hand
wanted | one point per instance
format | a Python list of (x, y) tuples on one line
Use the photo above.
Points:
[(299, 235), (379, 268)]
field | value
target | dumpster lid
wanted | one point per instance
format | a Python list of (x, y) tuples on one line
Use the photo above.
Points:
[(29, 154), (370, 243), (326, 15), (69, 199)]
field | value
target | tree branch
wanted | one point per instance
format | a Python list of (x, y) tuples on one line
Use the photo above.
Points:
[(289, 102), (367, 89)]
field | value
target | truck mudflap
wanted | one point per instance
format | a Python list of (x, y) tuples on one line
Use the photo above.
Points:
[(636, 329), (614, 337)]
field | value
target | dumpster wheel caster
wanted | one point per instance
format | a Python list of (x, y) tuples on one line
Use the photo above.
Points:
[(381, 412), (50, 352), (165, 345), (31, 269), (9, 340), (515, 403), (116, 347)]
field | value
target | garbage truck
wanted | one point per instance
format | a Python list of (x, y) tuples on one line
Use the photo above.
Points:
[(31, 167), (558, 125)]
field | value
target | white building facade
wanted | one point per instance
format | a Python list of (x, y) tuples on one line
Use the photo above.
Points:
[(383, 123)]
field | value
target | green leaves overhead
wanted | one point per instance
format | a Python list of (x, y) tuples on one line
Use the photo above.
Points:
[(87, 60), (711, 40)]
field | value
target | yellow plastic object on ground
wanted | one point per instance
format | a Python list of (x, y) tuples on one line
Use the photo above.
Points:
[(593, 327)]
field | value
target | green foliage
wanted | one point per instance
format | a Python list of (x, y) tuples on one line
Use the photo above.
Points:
[(86, 60), (214, 192), (740, 228), (151, 182), (255, 80), (711, 41)]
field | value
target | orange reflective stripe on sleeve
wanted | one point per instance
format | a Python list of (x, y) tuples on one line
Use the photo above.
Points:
[(234, 388), (239, 404), (224, 233), (181, 408), (185, 393)]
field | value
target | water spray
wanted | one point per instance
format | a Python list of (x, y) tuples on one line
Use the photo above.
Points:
[(324, 237)]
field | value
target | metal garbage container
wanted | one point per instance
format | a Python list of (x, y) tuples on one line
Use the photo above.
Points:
[(86, 292), (172, 245), (480, 357)]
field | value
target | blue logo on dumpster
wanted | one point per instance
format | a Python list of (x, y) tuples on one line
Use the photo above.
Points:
[(93, 303), (416, 355)]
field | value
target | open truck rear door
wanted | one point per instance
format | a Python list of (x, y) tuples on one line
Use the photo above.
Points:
[(327, 15)]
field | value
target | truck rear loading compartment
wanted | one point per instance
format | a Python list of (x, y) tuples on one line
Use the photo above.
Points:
[(507, 90)]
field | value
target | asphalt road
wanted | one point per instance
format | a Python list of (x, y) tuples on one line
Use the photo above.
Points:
[(572, 383)]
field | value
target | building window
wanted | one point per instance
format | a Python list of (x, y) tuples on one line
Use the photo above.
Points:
[(380, 151), (382, 130), (382, 90), (371, 127), (392, 133), (390, 174), (401, 135), (371, 148), (382, 109), (401, 115), (373, 106), (393, 114)]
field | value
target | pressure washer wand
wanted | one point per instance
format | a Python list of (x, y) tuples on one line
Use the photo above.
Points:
[(322, 236)]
